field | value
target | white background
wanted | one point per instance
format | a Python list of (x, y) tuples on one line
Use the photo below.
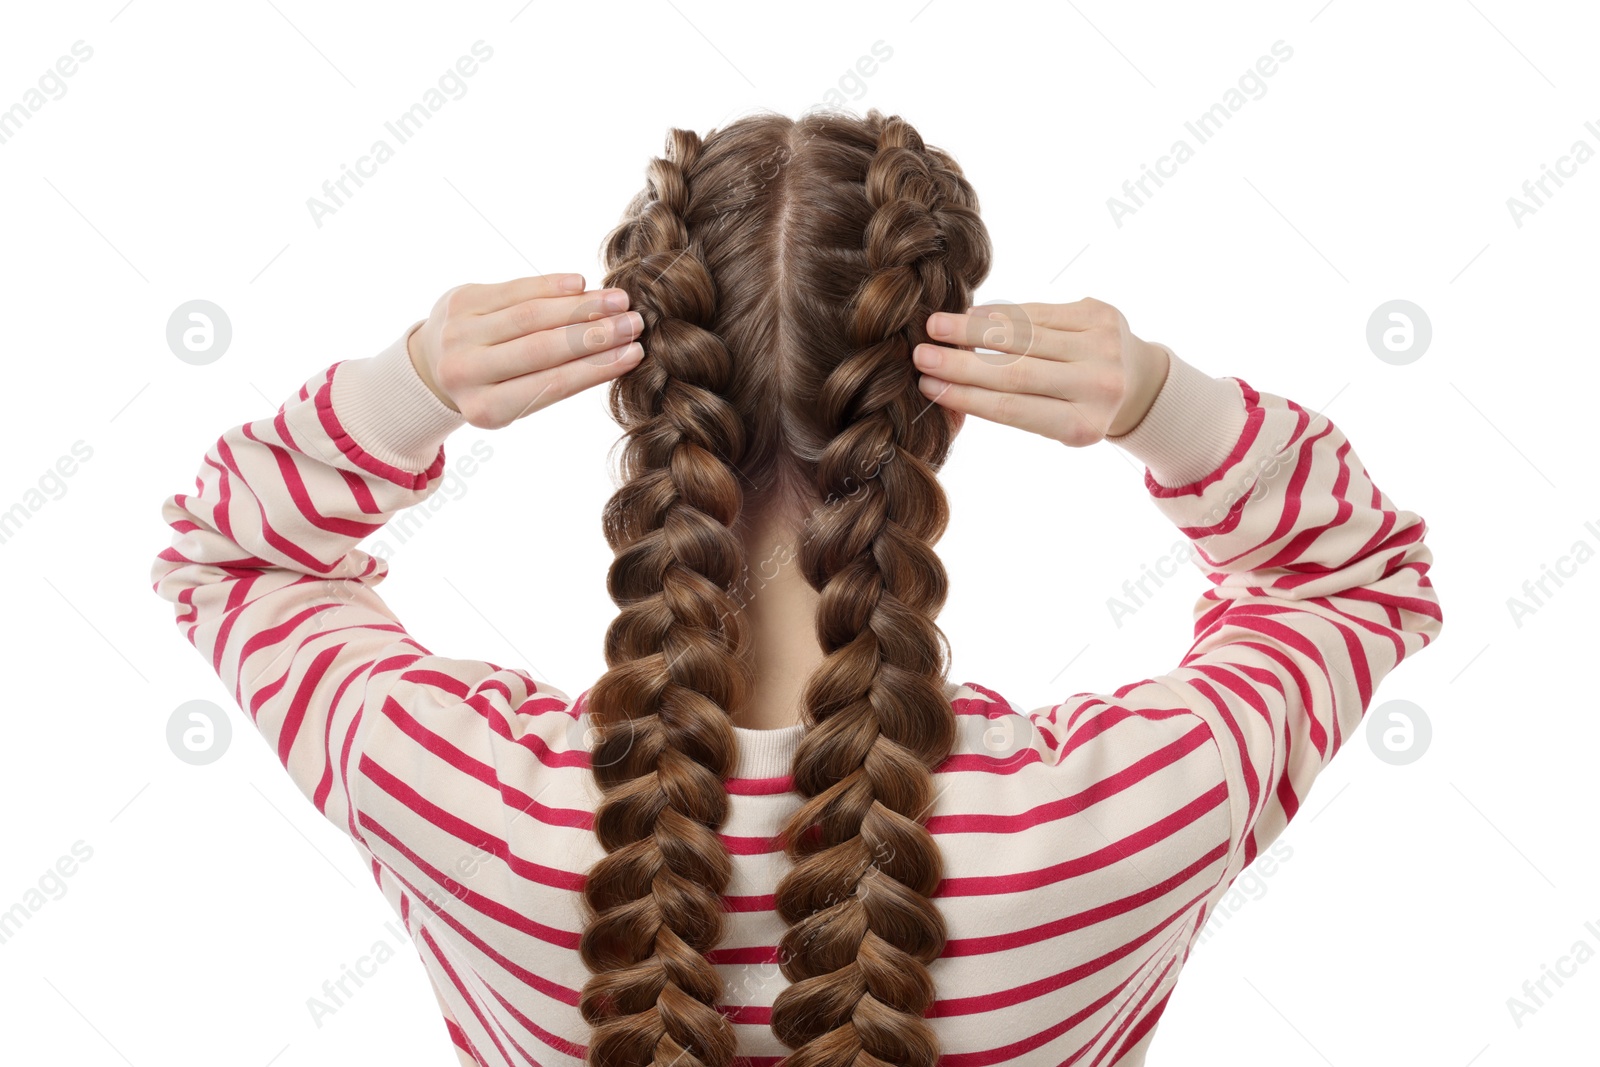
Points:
[(1377, 165)]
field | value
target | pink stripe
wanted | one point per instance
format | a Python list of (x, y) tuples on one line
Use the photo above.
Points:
[(1094, 793), (987, 944), (1066, 978), (750, 846), (745, 955), (991, 943), (480, 771), (977, 763), (1242, 755), (295, 486), (760, 787), (325, 783), (1145, 1024), (1133, 1014), (296, 712), (290, 549), (1255, 415), (472, 1003), (550, 1039), (358, 455), (554, 990), (458, 1037), (1115, 852), (486, 906), (1009, 1052), (1029, 991), (465, 831)]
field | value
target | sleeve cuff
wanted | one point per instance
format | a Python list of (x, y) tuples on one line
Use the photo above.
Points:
[(1190, 429), (389, 410)]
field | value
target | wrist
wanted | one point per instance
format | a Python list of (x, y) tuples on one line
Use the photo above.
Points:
[(420, 364), (1150, 366), (1192, 427), (382, 403)]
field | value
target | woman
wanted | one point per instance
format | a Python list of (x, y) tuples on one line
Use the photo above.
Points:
[(774, 827)]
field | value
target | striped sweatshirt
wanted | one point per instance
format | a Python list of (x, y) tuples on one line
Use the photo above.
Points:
[(1085, 842)]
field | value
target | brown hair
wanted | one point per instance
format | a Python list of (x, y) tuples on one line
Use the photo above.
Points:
[(784, 269)]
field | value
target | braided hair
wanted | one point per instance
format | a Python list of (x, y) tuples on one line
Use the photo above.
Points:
[(784, 270)]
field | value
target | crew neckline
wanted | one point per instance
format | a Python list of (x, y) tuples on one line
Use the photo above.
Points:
[(764, 753)]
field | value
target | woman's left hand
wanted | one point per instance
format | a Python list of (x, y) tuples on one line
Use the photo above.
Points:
[(1072, 372), (495, 353)]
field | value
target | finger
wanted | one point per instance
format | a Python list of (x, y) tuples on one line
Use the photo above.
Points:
[(544, 313), (1085, 314), (1082, 381), (549, 348), (1060, 420), (495, 296), (1004, 326), (508, 401), (1005, 329)]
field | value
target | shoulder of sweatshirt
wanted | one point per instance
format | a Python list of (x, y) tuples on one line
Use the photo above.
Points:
[(1192, 427), (386, 408)]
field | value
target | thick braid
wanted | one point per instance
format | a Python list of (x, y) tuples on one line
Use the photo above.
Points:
[(673, 656), (863, 929)]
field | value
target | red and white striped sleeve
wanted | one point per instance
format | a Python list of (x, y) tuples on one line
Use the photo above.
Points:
[(1319, 588), (267, 583)]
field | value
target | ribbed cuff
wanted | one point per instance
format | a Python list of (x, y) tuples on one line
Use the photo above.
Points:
[(1191, 428), (389, 410)]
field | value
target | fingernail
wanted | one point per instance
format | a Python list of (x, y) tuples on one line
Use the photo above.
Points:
[(940, 324), (572, 283), (635, 322), (926, 356), (614, 300), (632, 353)]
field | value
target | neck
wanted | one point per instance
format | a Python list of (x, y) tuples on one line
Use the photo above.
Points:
[(780, 610)]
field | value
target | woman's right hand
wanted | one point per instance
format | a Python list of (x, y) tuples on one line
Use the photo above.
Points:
[(495, 353), (1072, 372)]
